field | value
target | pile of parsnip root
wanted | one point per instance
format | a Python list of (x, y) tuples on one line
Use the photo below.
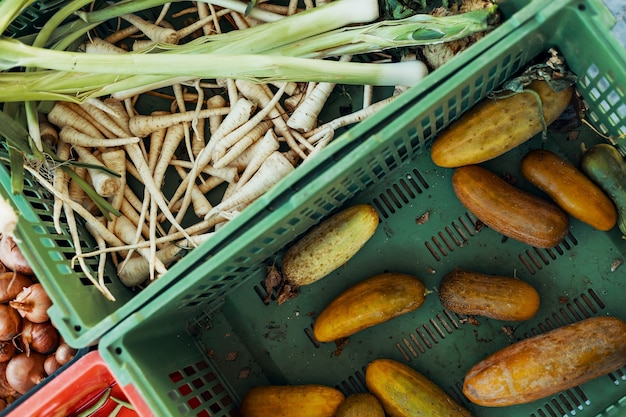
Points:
[(229, 139)]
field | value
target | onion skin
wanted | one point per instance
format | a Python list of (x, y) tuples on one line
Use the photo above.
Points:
[(33, 303), (39, 337), (6, 391), (24, 372), (11, 284), (11, 256), (7, 351), (65, 353), (51, 365), (10, 323)]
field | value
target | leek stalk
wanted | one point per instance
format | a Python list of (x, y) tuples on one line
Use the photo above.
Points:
[(419, 29), (113, 70)]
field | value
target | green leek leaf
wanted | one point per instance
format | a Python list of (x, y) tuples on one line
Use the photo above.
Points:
[(250, 6), (16, 161), (13, 132), (102, 204)]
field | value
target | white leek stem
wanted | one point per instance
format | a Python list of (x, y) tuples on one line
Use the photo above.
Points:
[(239, 6), (258, 67)]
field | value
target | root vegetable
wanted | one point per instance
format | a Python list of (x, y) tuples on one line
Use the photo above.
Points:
[(352, 118), (32, 303), (267, 146), (154, 32), (304, 117), (104, 183), (7, 350), (74, 137), (201, 205), (64, 353), (61, 184), (101, 46), (23, 372), (8, 218), (173, 136), (136, 156), (275, 168), (143, 126), (11, 256), (240, 132), (7, 392), (239, 114), (10, 323), (63, 115), (11, 284), (258, 94), (39, 337), (51, 365)]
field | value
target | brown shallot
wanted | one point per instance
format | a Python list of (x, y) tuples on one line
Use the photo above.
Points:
[(7, 350), (25, 371), (32, 303), (64, 353), (11, 283), (11, 256), (51, 365), (10, 323), (6, 390), (39, 337)]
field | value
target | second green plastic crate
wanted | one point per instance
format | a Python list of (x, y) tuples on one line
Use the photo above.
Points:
[(194, 351)]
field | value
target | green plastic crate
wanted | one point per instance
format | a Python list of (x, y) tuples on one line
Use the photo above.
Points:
[(81, 313), (195, 351), (34, 16)]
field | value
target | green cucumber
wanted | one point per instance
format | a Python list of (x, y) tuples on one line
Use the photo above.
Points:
[(605, 166)]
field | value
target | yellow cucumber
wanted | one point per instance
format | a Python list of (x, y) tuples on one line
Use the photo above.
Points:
[(329, 245), (494, 126), (570, 188), (291, 401), (368, 303), (362, 404), (405, 392), (493, 296), (509, 210), (606, 167), (543, 365)]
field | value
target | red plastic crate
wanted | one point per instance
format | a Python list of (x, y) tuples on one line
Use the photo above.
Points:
[(78, 388)]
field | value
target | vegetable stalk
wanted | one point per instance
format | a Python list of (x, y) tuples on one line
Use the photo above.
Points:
[(112, 68), (420, 29)]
